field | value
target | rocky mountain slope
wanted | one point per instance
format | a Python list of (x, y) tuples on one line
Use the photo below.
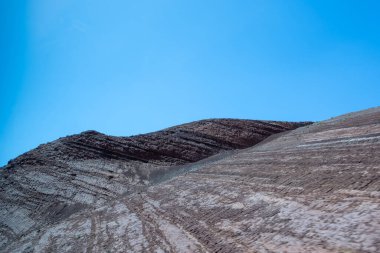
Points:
[(76, 173), (312, 189)]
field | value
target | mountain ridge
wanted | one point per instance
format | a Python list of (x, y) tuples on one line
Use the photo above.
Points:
[(59, 178), (312, 189), (265, 128)]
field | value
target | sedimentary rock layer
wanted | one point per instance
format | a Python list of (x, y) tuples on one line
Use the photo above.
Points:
[(314, 189), (49, 184)]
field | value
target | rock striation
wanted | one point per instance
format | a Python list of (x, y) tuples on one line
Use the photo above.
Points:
[(312, 189), (56, 180)]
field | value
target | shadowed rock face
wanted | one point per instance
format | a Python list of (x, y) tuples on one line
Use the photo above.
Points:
[(58, 179), (312, 189), (177, 145)]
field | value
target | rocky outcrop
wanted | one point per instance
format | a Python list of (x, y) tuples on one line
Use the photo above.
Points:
[(176, 145), (312, 189), (56, 180)]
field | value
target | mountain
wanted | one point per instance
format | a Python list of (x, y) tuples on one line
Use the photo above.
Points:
[(315, 188), (80, 172)]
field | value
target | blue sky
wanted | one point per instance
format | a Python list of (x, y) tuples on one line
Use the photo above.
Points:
[(128, 67)]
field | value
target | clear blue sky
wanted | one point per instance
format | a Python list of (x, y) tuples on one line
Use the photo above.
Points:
[(127, 67)]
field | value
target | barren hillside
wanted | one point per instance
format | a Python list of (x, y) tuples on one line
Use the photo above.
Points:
[(312, 189), (52, 182)]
